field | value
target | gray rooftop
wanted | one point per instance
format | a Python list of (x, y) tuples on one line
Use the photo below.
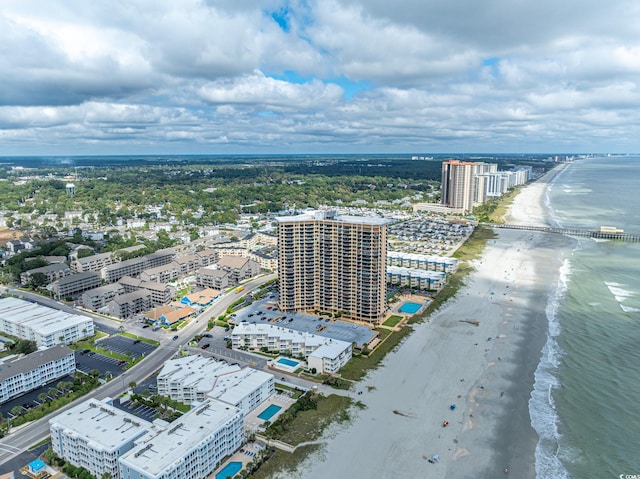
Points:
[(24, 364)]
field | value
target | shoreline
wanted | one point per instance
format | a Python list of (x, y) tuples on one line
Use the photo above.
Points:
[(486, 370)]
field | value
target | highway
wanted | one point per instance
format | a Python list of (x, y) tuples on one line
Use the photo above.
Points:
[(25, 436)]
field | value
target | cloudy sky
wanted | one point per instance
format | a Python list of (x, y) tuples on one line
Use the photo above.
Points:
[(318, 76)]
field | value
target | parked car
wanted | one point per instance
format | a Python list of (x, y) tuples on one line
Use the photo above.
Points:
[(136, 341), (207, 335), (205, 346)]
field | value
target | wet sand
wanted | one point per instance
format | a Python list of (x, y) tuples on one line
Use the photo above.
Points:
[(485, 370)]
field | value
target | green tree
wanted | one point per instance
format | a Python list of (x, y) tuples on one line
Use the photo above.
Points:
[(38, 280)]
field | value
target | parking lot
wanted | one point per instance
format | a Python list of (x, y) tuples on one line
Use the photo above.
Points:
[(86, 362), (263, 311), (143, 412), (30, 399), (132, 348)]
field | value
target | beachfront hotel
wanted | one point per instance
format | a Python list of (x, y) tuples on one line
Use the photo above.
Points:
[(334, 264)]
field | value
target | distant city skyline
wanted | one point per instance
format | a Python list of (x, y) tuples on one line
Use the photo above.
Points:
[(327, 77)]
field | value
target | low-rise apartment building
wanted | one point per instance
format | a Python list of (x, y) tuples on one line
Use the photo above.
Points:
[(99, 297), (194, 378), (208, 257), (75, 284), (46, 326), (94, 262), (128, 304), (94, 434), (161, 274), (192, 447), (131, 267), (422, 261), (21, 374), (416, 278), (160, 293), (295, 343), (212, 278), (51, 271), (239, 268)]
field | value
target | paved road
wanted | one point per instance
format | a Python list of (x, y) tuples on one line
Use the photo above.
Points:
[(20, 440)]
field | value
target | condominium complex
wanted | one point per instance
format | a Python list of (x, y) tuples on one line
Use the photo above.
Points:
[(422, 261), (466, 184), (75, 284), (327, 355), (51, 272), (195, 378), (107, 440), (416, 278), (99, 297), (94, 434), (46, 326), (21, 374), (333, 263), (192, 447)]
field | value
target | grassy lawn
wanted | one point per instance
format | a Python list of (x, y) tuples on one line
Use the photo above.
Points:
[(359, 365), (392, 321), (153, 342), (307, 426)]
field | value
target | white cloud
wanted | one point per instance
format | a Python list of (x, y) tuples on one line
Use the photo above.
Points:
[(336, 74)]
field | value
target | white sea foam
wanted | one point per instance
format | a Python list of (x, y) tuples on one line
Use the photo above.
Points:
[(618, 291), (629, 309), (544, 417)]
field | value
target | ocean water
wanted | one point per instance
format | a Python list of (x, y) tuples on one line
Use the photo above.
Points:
[(586, 401)]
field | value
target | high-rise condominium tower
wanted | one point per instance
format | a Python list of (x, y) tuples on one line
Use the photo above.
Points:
[(458, 184), (332, 263)]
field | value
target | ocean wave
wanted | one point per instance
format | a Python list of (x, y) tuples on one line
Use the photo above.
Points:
[(542, 411), (629, 309), (618, 291), (554, 219)]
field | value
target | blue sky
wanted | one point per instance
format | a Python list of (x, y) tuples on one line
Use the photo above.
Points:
[(305, 76)]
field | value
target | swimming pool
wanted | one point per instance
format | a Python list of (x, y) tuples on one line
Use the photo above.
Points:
[(229, 470), (288, 362), (269, 412), (410, 308)]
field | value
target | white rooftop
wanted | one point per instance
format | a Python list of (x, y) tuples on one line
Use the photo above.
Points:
[(105, 426), (331, 215), (155, 454), (228, 383), (422, 257), (42, 319), (308, 339)]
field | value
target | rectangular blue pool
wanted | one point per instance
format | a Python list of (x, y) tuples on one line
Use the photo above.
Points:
[(410, 308), (229, 470), (288, 362), (269, 412)]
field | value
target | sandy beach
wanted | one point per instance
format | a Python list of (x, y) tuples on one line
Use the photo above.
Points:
[(485, 370)]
